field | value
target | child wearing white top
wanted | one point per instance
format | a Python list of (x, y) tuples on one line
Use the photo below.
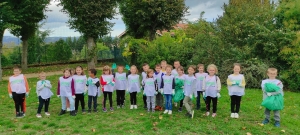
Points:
[(168, 89), (200, 77), (43, 90), (189, 89), (133, 86), (120, 85), (150, 89), (80, 88), (93, 88), (108, 82)]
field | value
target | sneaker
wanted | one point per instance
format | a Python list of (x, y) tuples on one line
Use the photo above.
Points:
[(22, 114), (236, 115), (47, 113), (207, 113), (131, 107), (89, 111), (214, 115), (83, 111), (180, 109), (38, 115), (62, 112), (18, 115), (68, 109), (95, 110), (104, 110), (166, 111), (192, 113), (111, 109), (73, 113), (175, 104), (232, 115), (266, 121), (187, 114), (170, 112), (153, 110), (135, 106), (118, 107), (277, 124)]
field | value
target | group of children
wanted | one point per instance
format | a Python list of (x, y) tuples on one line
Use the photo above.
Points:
[(159, 88)]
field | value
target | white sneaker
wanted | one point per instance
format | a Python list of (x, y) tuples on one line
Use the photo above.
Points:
[(47, 113), (236, 115), (68, 109), (170, 112), (166, 111), (175, 104), (207, 113), (135, 106), (232, 115), (39, 115), (131, 107)]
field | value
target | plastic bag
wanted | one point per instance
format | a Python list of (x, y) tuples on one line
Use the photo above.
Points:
[(273, 102)]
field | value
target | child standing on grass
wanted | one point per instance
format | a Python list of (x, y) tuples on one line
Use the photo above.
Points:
[(66, 90), (150, 89), (43, 90), (200, 77), (133, 86), (80, 88), (108, 82), (174, 71), (93, 86), (189, 90), (158, 76), (179, 84), (168, 89), (236, 89), (212, 87), (160, 97), (18, 89), (144, 75), (120, 86), (272, 74)]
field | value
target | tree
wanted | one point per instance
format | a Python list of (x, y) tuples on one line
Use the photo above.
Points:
[(145, 17), (288, 14), (91, 18), (29, 14)]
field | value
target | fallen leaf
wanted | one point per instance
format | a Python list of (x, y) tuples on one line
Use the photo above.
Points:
[(260, 107), (155, 128), (261, 124), (244, 128), (160, 117), (141, 114), (93, 130), (283, 131), (248, 133), (154, 124), (111, 112)]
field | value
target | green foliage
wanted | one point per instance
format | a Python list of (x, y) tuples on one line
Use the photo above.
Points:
[(144, 17), (59, 51), (288, 14), (5, 61)]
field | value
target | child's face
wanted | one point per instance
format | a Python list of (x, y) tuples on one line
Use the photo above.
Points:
[(236, 69), (272, 74), (211, 71), (180, 72), (191, 71), (120, 69), (42, 76), (17, 72), (133, 70), (157, 69), (79, 71), (176, 65), (145, 68), (91, 74), (201, 69), (150, 74), (168, 70), (163, 65), (67, 73), (106, 72)]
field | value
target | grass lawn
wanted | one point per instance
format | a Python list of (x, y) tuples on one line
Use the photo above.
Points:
[(126, 121)]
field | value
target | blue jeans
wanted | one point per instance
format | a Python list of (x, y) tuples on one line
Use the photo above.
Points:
[(168, 98), (64, 105)]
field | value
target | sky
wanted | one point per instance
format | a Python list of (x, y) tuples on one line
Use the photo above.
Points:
[(57, 21)]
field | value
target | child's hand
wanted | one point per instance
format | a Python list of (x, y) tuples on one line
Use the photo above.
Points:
[(269, 94), (127, 91), (10, 96), (161, 91), (155, 93), (73, 97), (218, 95), (27, 94), (144, 93), (173, 92)]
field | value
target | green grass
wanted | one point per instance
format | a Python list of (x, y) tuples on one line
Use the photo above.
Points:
[(125, 121)]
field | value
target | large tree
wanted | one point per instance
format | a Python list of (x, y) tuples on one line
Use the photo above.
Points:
[(90, 18), (145, 17), (29, 14)]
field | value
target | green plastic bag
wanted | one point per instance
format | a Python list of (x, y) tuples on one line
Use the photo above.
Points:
[(274, 102), (179, 95)]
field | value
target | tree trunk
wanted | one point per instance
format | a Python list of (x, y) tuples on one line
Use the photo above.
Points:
[(24, 54), (91, 46), (1, 45)]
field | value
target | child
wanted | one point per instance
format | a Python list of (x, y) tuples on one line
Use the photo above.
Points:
[(66, 90), (212, 87), (150, 89), (179, 83), (189, 90), (107, 81), (174, 71), (159, 97), (168, 89), (80, 88), (133, 86), (200, 76), (93, 89), (236, 89), (163, 65), (18, 89), (144, 75), (272, 73), (43, 90), (120, 86)]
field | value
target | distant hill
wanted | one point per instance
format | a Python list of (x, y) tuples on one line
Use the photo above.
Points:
[(10, 39)]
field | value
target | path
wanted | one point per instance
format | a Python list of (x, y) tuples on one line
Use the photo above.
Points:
[(36, 75)]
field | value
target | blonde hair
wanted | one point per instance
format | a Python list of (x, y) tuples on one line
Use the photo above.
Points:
[(163, 61), (149, 71), (82, 73), (107, 68), (237, 64), (212, 66), (272, 69), (169, 66), (133, 66), (42, 73)]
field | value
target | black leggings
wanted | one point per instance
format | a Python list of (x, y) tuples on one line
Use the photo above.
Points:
[(133, 98), (145, 100), (235, 103), (105, 97), (79, 97), (120, 97), (41, 103), (214, 101), (181, 103), (19, 100)]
